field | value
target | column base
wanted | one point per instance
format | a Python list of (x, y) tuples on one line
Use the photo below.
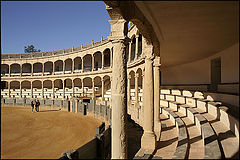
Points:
[(148, 141), (157, 130)]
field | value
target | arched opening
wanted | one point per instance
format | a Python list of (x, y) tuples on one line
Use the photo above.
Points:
[(47, 85), (58, 66), (139, 46), (106, 91), (68, 88), (26, 68), (106, 54), (133, 48), (26, 89), (140, 89), (87, 83), (77, 64), (37, 84), (48, 67), (4, 69), (132, 85), (15, 68), (58, 88), (97, 60), (77, 85), (68, 65), (15, 89), (37, 89), (4, 85), (37, 67), (87, 63), (97, 86)]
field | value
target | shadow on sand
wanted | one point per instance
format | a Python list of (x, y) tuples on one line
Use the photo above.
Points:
[(49, 110)]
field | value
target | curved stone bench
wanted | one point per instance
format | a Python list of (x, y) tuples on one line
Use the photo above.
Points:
[(216, 109), (211, 145), (182, 145)]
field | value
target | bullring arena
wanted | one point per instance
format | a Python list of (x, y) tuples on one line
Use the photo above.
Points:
[(164, 86)]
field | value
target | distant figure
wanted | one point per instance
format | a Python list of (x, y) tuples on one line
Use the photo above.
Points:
[(38, 104), (35, 103), (32, 105)]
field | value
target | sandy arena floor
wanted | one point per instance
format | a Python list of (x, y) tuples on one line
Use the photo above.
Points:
[(43, 135)]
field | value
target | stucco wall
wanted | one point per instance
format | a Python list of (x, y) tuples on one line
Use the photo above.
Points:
[(199, 72)]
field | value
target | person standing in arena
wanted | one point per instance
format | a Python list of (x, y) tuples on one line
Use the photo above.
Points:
[(32, 105), (38, 104)]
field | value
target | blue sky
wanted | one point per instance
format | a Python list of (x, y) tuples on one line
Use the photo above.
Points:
[(51, 25)]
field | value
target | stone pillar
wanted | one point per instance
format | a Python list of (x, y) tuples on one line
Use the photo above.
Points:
[(148, 140), (82, 65), (73, 92), (119, 89), (20, 89), (32, 89), (82, 88), (136, 89), (42, 90), (92, 62), (93, 89), (102, 60), (102, 89), (43, 69), (9, 89), (157, 123), (129, 55), (136, 50), (63, 67), (53, 92), (129, 88), (9, 70), (32, 70), (20, 70), (72, 65), (63, 88), (111, 57), (53, 68)]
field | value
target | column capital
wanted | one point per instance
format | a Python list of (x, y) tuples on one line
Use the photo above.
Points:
[(157, 62), (136, 75)]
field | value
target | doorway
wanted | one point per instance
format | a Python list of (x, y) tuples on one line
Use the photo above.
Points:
[(215, 74)]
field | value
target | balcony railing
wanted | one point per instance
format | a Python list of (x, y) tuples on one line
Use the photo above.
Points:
[(52, 53)]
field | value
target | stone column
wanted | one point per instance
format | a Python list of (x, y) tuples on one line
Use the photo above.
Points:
[(129, 88), (73, 92), (9, 70), (53, 68), (63, 88), (136, 89), (92, 62), (63, 67), (148, 140), (20, 89), (32, 89), (111, 57), (93, 89), (157, 123), (32, 70), (20, 70), (43, 69), (102, 89), (53, 92), (129, 55), (72, 65), (119, 89), (42, 90), (136, 50), (82, 88), (82, 65), (9, 89), (102, 60)]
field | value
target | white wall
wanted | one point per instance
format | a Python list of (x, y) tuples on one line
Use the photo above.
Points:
[(199, 72)]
